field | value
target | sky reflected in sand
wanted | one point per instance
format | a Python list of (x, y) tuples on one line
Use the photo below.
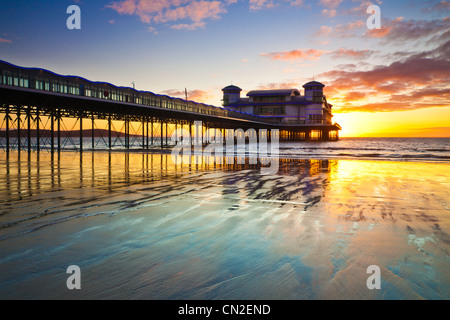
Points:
[(141, 227)]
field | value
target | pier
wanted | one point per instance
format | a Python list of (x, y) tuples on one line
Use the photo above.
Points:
[(41, 110)]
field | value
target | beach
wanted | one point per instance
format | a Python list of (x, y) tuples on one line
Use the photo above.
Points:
[(141, 227)]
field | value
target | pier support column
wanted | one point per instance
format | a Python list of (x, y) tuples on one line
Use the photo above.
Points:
[(58, 115), (19, 146), (38, 136), (7, 128), (167, 124), (29, 128), (127, 132), (146, 129), (190, 133), (109, 132), (52, 131), (162, 140), (151, 127), (81, 131), (93, 131)]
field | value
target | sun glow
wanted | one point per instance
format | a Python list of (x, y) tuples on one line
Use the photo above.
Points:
[(426, 122)]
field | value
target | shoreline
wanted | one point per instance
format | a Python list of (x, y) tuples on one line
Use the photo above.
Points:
[(281, 157)]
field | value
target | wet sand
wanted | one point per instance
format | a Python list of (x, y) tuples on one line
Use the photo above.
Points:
[(140, 227)]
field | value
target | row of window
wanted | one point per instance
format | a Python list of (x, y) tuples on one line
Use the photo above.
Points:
[(269, 99), (270, 110)]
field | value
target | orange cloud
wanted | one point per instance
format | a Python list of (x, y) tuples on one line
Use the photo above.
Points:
[(193, 13), (314, 54), (300, 54), (420, 81), (2, 40), (194, 95)]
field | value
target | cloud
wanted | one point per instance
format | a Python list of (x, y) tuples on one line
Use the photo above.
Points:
[(299, 54), (190, 14), (437, 6), (193, 95), (2, 40), (354, 54), (330, 13), (330, 3), (190, 26), (400, 30), (339, 31), (314, 54), (255, 5), (418, 81), (361, 9)]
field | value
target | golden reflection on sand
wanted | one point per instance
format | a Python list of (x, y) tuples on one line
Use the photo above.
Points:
[(150, 228)]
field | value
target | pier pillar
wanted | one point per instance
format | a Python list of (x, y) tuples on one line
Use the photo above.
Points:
[(151, 130), (109, 132), (146, 129), (143, 132), (52, 131), (81, 132), (29, 128), (7, 128), (127, 132), (93, 131), (38, 137), (58, 114), (162, 140), (18, 129)]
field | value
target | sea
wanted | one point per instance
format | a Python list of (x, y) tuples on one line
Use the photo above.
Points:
[(139, 226)]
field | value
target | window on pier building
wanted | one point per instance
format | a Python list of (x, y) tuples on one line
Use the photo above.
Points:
[(270, 110), (269, 99), (315, 117)]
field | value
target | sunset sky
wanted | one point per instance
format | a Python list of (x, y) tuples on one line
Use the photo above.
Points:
[(391, 82)]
